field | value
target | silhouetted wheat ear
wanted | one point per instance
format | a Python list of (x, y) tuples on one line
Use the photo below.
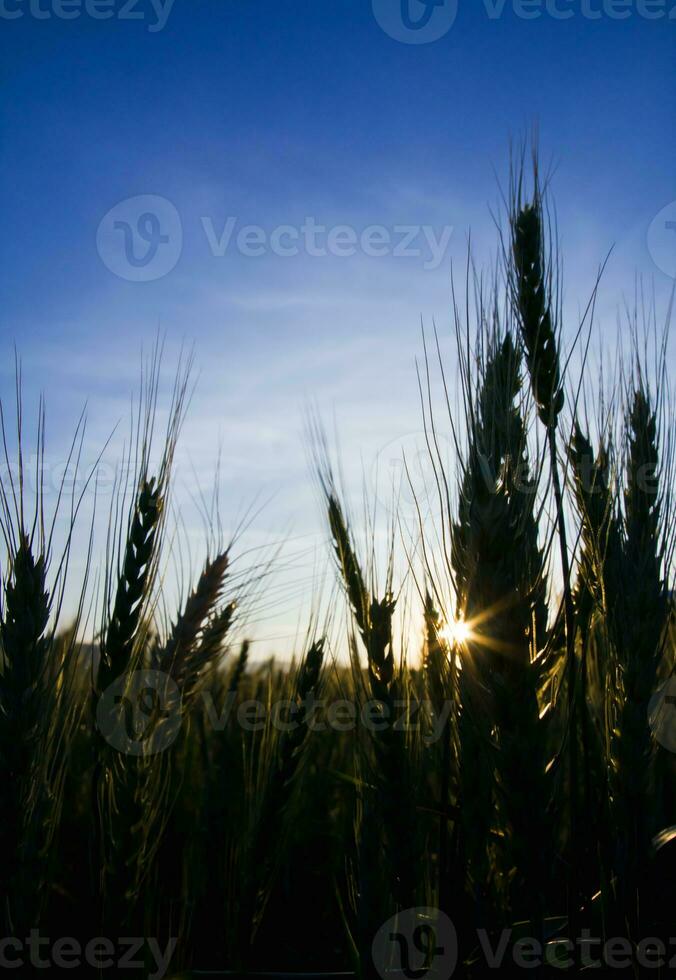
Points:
[(347, 562), (239, 669), (118, 642), (600, 563), (373, 616), (25, 708), (435, 662), (379, 647), (645, 599), (306, 687), (535, 314), (212, 642), (26, 614), (642, 499), (177, 655)]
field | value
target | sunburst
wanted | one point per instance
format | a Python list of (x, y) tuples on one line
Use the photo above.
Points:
[(458, 632)]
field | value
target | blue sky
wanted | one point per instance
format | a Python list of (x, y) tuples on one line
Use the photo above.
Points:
[(269, 112)]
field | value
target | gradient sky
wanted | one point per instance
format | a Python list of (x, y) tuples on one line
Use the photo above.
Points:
[(272, 111)]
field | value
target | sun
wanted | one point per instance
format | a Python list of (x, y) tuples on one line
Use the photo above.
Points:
[(457, 632)]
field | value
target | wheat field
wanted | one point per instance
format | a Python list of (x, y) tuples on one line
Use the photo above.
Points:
[(504, 788)]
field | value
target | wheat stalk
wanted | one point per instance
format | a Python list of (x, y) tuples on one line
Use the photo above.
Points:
[(25, 706), (269, 823), (373, 617), (532, 295)]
